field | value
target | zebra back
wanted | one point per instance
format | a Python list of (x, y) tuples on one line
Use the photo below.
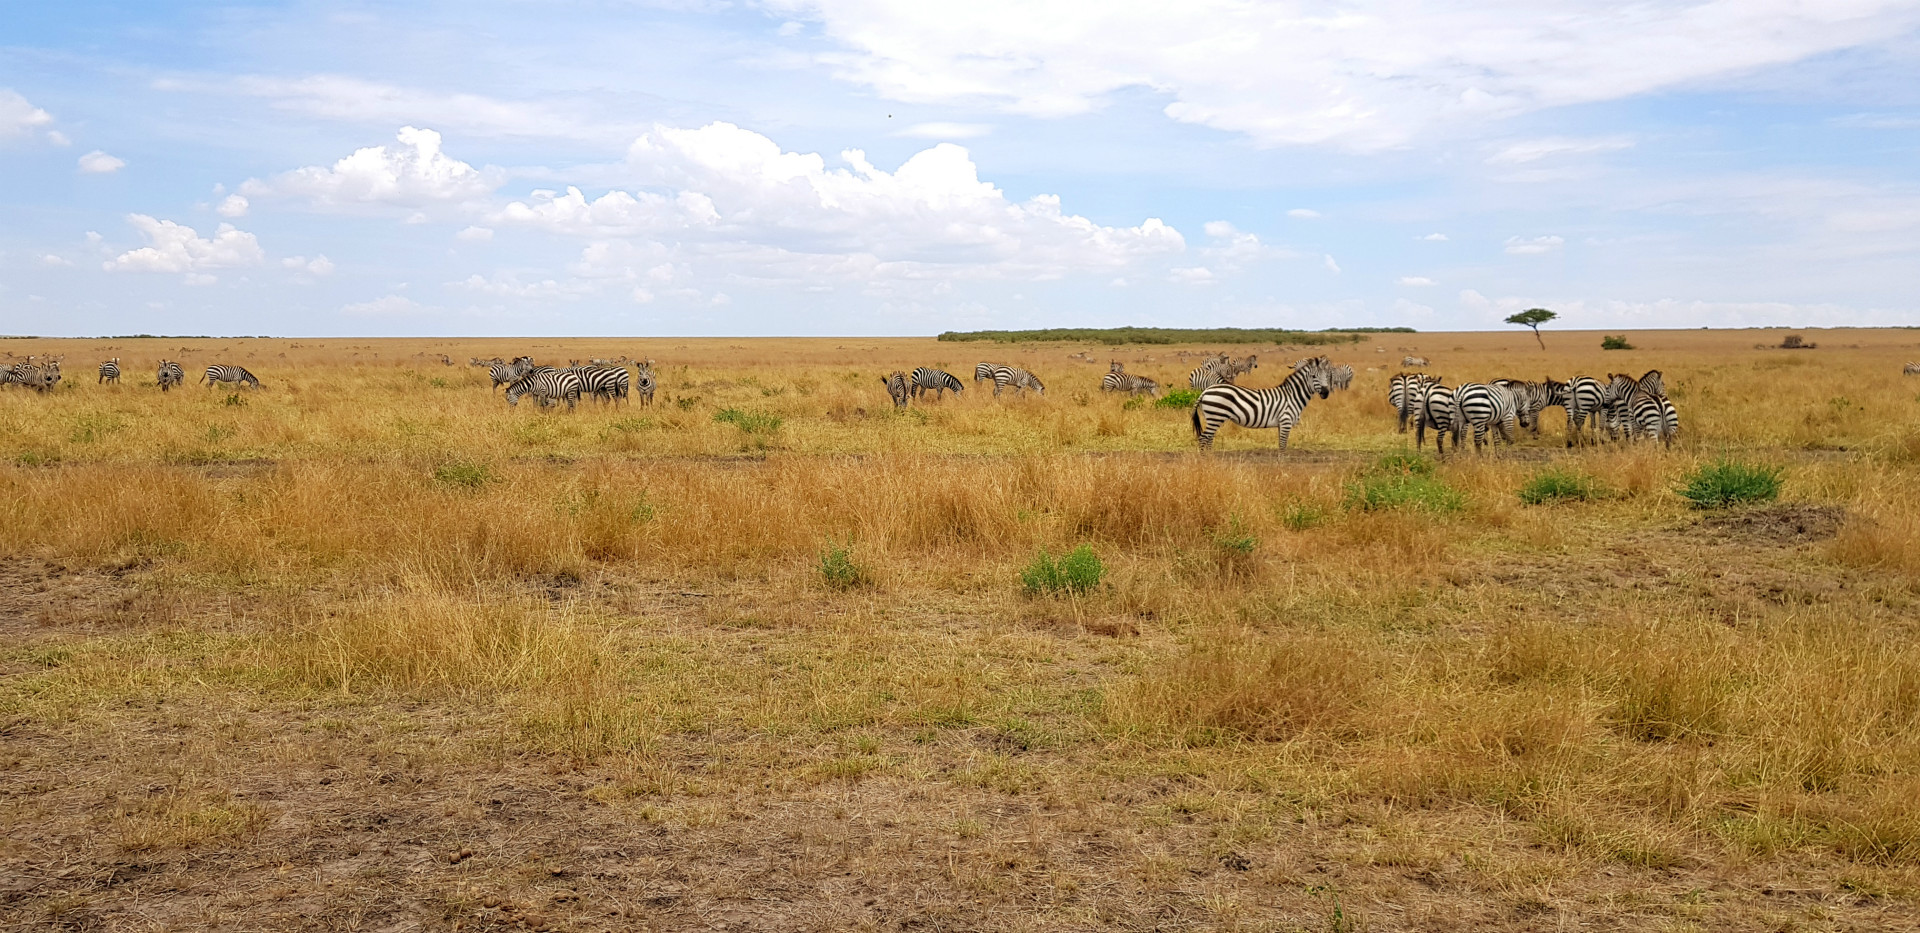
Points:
[(983, 372), (938, 381), (1279, 407)]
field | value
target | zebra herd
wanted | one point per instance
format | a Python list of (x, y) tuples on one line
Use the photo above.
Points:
[(903, 386), (601, 380), (44, 376), (1625, 407)]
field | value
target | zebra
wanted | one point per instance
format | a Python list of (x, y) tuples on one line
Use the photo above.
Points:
[(1619, 387), (110, 371), (604, 383), (1484, 406), (1414, 361), (643, 381), (1911, 369), (546, 384), (1341, 377), (1404, 393), (1213, 372), (1435, 409), (1114, 381), (1586, 398), (983, 372), (937, 381), (170, 375), (1238, 368), (1004, 376), (30, 376), (896, 388), (1279, 407), (1530, 399), (506, 373), (238, 375)]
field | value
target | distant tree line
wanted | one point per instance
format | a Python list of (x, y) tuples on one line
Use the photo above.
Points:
[(1159, 335)]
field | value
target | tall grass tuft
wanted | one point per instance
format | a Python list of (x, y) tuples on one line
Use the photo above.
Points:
[(1726, 482), (1248, 686), (1077, 573), (1558, 485), (1402, 481)]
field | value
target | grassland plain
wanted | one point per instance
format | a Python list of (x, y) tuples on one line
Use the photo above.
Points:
[(367, 649)]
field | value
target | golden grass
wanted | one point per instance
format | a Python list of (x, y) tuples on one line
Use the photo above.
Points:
[(1618, 681)]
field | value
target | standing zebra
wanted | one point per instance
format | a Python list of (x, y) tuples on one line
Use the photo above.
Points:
[(1279, 407), (1436, 409), (604, 383), (896, 388), (643, 381), (1485, 406), (170, 375), (110, 371), (1586, 398), (1114, 381), (1004, 376), (1404, 392), (983, 372), (546, 384), (1341, 377), (1213, 372), (238, 375), (937, 381), (506, 373)]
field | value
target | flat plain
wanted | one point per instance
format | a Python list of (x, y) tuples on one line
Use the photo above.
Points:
[(367, 649)]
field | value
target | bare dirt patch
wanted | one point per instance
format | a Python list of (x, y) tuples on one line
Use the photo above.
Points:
[(1783, 525)]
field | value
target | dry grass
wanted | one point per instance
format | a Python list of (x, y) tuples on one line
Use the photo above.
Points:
[(1286, 696)]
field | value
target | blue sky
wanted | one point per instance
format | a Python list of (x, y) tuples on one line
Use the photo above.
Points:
[(876, 167)]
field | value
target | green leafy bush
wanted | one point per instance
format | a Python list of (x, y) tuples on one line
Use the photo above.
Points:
[(1080, 571), (838, 569), (1726, 482), (1402, 481), (1177, 398), (752, 422), (1556, 484), (463, 474), (1615, 343)]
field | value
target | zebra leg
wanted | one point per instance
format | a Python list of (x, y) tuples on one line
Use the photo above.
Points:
[(1285, 429)]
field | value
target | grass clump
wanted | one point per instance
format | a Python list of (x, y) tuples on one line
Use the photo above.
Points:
[(750, 422), (838, 569), (1615, 343), (462, 474), (1402, 481), (1178, 398), (1557, 485), (1725, 483), (1079, 572)]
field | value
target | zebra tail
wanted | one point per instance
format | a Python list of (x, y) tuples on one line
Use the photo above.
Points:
[(1196, 419)]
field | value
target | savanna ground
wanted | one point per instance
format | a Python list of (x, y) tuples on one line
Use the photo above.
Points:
[(368, 650)]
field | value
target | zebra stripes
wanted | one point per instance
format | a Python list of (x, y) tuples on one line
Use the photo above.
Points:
[(1341, 377), (1404, 392), (30, 375), (643, 381), (546, 384), (1436, 410), (170, 375), (1911, 369), (109, 372), (1414, 361), (937, 381), (1586, 399), (897, 388), (238, 375), (1118, 379), (1004, 376), (983, 372), (1482, 407), (1215, 371), (507, 373), (1279, 407), (604, 383)]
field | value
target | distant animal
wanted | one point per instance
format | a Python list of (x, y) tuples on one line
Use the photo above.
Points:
[(110, 371), (1911, 369), (896, 388), (1342, 377), (1004, 376), (446, 360), (1118, 379), (937, 381), (238, 375), (1414, 361), (1216, 370), (170, 375), (1279, 407), (546, 384)]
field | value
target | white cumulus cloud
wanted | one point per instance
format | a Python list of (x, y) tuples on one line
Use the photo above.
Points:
[(412, 174), (475, 234), (316, 267), (179, 248), (18, 117), (99, 163), (1289, 72), (233, 206), (1531, 246)]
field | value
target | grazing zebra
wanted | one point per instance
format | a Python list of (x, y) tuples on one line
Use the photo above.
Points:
[(937, 381), (1004, 376), (1619, 387), (1485, 406), (110, 371), (1215, 371), (1341, 377), (1437, 410), (1404, 393), (27, 375), (546, 384), (507, 373), (983, 372), (1279, 407), (1532, 398), (238, 375), (1414, 361), (896, 388), (1911, 369), (604, 383), (1586, 398), (170, 375)]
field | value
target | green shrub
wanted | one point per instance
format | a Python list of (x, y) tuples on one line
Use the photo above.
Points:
[(1178, 398), (838, 569), (237, 400), (1402, 481), (1080, 571), (1615, 343), (1725, 482), (1556, 484), (463, 474), (752, 422), (1300, 516)]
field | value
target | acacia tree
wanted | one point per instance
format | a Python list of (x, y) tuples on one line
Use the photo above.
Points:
[(1533, 317)]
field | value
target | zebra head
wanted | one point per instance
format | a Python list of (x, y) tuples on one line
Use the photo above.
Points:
[(1115, 366)]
